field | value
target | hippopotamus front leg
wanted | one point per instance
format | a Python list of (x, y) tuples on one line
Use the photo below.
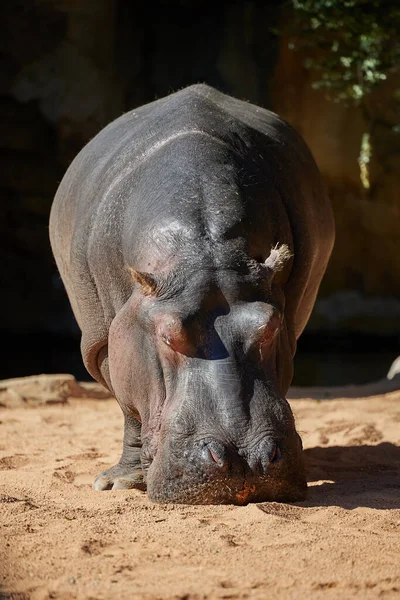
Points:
[(127, 473)]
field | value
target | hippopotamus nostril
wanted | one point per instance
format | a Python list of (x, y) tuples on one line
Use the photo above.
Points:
[(214, 456), (214, 452), (276, 455), (266, 453)]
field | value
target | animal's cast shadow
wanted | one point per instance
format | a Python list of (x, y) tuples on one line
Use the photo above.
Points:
[(354, 476)]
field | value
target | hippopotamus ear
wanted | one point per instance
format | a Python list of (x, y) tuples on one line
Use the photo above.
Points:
[(278, 257), (147, 282)]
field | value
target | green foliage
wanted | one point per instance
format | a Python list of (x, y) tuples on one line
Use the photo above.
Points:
[(352, 45)]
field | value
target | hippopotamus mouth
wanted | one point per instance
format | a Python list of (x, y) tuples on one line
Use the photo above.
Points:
[(209, 472)]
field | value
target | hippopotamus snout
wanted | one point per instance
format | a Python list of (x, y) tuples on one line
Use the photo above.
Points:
[(212, 471)]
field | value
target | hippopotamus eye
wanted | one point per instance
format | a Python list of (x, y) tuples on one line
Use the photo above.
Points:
[(166, 339), (173, 334), (266, 335), (267, 332)]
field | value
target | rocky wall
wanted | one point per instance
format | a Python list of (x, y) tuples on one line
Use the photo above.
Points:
[(361, 289)]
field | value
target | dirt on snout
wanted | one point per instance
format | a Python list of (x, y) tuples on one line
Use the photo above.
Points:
[(59, 539)]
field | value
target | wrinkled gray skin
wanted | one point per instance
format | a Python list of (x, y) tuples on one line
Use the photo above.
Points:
[(162, 229)]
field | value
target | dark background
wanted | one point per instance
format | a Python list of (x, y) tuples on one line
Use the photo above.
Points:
[(68, 68)]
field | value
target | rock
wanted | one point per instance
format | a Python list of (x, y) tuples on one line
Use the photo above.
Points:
[(394, 371), (46, 389)]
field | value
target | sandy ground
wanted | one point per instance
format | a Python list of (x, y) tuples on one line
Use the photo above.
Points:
[(59, 539)]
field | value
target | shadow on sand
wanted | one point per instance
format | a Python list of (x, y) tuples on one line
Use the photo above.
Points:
[(354, 476)]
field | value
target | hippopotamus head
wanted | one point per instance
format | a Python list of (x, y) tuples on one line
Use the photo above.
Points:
[(197, 355)]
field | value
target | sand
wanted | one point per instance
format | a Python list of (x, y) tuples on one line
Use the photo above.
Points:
[(59, 539)]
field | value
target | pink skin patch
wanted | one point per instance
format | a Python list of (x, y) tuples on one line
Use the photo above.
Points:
[(244, 493)]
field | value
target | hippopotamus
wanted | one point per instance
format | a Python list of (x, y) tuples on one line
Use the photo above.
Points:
[(192, 235)]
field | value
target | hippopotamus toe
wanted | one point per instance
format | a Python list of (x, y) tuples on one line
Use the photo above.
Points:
[(120, 477)]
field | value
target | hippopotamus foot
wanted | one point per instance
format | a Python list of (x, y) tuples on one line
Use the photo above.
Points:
[(120, 477), (128, 473)]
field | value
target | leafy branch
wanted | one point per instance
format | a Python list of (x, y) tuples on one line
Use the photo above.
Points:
[(351, 46)]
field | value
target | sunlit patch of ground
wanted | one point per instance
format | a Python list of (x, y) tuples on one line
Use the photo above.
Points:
[(60, 539)]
